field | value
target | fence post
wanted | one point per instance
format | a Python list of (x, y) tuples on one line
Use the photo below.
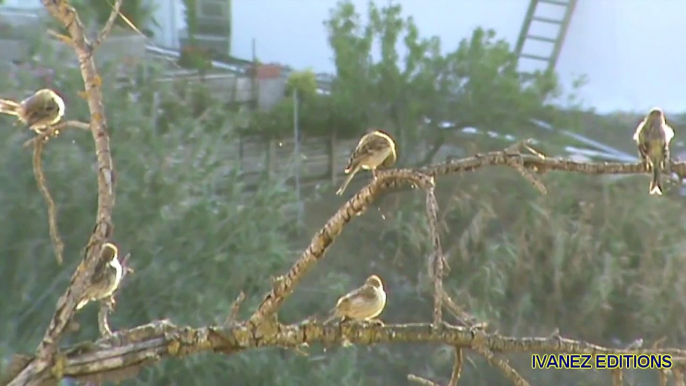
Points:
[(241, 151), (271, 154)]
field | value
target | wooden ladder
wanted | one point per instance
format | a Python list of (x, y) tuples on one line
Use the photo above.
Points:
[(556, 41)]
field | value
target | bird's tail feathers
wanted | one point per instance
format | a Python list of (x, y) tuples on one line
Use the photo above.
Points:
[(348, 178), (656, 182), (10, 107)]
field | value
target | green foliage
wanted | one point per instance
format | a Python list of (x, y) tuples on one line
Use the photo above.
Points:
[(139, 12), (475, 85), (304, 82), (195, 57)]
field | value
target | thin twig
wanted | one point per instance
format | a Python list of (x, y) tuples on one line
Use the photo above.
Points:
[(502, 365), (57, 243), (62, 38), (107, 28), (55, 130), (678, 376), (235, 308), (420, 381), (617, 377), (457, 367), (106, 306)]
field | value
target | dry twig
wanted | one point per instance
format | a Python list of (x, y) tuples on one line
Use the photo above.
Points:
[(457, 367), (617, 377), (54, 131), (107, 28), (420, 381), (39, 174)]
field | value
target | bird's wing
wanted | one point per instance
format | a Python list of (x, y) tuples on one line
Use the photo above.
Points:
[(365, 293), (39, 109), (101, 269), (370, 145)]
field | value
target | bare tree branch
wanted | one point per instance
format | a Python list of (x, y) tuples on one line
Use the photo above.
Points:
[(480, 346), (36, 372), (457, 367), (53, 131), (38, 173), (617, 377), (107, 28), (106, 306), (421, 381), (539, 165), (322, 240), (437, 261), (235, 308), (144, 345), (678, 376)]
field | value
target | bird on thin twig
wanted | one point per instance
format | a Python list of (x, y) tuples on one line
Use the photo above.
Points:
[(106, 278), (375, 149), (652, 137), (364, 303), (39, 111)]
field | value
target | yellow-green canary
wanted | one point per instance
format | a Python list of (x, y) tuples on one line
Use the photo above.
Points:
[(375, 149), (107, 276), (364, 303), (39, 111), (652, 137)]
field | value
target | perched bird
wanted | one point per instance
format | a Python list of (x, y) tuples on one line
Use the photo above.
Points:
[(375, 149), (107, 276), (39, 111), (364, 303), (653, 136)]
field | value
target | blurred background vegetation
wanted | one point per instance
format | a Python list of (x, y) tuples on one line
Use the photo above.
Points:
[(596, 257)]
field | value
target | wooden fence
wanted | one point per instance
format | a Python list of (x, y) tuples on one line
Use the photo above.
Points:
[(320, 158)]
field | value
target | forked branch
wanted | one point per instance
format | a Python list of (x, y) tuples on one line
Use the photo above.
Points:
[(37, 370)]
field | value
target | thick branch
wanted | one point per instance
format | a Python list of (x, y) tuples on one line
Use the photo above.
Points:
[(538, 164), (139, 346), (436, 260)]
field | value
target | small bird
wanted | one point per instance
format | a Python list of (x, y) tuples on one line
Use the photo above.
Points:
[(39, 111), (364, 303), (106, 279), (652, 137), (375, 149)]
